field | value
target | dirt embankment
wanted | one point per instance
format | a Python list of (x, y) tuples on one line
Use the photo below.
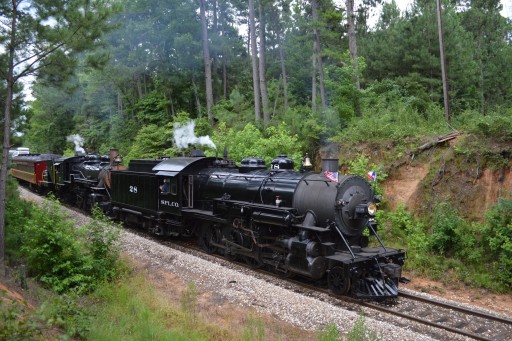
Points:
[(470, 183)]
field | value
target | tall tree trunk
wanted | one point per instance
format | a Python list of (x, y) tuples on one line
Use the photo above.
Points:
[(352, 47), (443, 62), (7, 129), (215, 79), (139, 86), (318, 53), (215, 58), (313, 81), (263, 68), (352, 42), (120, 106), (207, 62), (283, 74), (254, 55), (196, 96), (224, 78)]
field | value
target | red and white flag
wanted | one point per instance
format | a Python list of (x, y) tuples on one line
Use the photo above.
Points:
[(372, 175), (333, 176)]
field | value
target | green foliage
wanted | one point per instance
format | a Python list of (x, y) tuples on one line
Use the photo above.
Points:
[(498, 235), (133, 310), (453, 249), (236, 111), (52, 251), (340, 82), (329, 333), (496, 125), (252, 142), (152, 109), (453, 236), (446, 229), (189, 301), (390, 116), (61, 256), (361, 332), (312, 127), (17, 216), (68, 313), (254, 330), (15, 323), (402, 229), (151, 141), (101, 236), (361, 166)]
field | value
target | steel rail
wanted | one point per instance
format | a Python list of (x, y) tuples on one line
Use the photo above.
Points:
[(424, 321), (177, 244), (464, 310)]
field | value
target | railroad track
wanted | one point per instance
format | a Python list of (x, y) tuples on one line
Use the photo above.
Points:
[(470, 323), (457, 319)]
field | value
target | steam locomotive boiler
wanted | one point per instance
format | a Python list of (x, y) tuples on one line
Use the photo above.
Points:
[(292, 222)]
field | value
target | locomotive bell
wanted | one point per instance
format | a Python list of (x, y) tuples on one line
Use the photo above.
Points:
[(307, 162)]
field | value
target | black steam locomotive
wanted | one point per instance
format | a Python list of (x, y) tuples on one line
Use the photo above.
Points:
[(292, 222)]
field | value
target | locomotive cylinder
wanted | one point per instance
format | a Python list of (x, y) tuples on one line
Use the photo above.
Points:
[(313, 267)]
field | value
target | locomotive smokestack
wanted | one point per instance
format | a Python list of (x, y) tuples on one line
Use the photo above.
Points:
[(329, 165)]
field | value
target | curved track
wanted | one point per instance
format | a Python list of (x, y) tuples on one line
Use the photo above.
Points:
[(465, 321), (470, 322)]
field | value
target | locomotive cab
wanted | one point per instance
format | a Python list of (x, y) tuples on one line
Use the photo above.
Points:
[(168, 197)]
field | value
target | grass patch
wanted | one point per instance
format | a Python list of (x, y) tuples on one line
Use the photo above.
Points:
[(133, 310)]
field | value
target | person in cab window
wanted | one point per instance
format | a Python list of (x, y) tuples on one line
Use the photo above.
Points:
[(166, 187)]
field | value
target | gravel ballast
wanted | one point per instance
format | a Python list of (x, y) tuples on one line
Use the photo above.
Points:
[(242, 288)]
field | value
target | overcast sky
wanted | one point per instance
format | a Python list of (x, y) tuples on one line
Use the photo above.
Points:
[(507, 6), (403, 4)]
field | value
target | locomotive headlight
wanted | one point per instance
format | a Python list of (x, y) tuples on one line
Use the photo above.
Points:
[(372, 209), (365, 210)]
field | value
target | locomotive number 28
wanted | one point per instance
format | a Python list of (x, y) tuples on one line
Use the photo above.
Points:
[(133, 189)]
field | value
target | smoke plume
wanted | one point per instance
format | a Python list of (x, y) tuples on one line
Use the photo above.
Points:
[(78, 141), (184, 136)]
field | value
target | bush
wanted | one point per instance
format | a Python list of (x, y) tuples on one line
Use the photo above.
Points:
[(403, 230), (498, 237), (329, 333), (361, 166), (495, 125), (447, 228), (17, 216), (390, 116), (67, 312), (360, 331), (15, 323), (61, 256), (252, 142), (53, 251)]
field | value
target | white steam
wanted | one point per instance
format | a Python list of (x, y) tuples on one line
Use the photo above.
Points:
[(184, 136), (78, 141)]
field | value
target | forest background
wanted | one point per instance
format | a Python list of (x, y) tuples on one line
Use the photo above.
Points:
[(305, 77)]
